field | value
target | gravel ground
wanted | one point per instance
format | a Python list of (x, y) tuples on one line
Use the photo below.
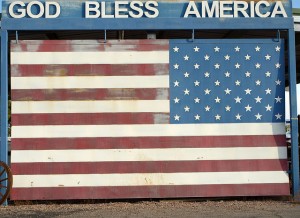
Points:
[(157, 209)]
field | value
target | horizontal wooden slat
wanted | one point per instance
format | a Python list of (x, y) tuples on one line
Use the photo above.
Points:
[(85, 106), (40, 70), (66, 131), (89, 57), (90, 45), (148, 167), (89, 119), (148, 142), (89, 94), (155, 154), (151, 179), (90, 82), (151, 191)]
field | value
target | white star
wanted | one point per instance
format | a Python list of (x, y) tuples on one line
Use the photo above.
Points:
[(197, 83), (268, 91), (186, 92), (176, 117), (197, 100), (248, 108), (238, 117), (217, 49), (248, 91), (206, 74), (176, 49), (238, 99), (207, 108), (196, 49), (227, 74), (227, 108), (237, 83), (237, 48), (237, 66), (196, 66), (218, 100), (277, 65), (248, 74), (268, 74), (176, 100), (257, 65), (186, 58), (186, 109), (268, 108), (258, 99), (227, 57), (176, 67), (247, 57), (278, 99), (206, 57), (268, 57), (207, 91), (197, 117), (217, 83), (257, 48), (258, 116), (186, 74), (277, 48), (278, 82), (258, 82), (217, 66), (218, 117), (227, 91), (278, 116), (176, 83)]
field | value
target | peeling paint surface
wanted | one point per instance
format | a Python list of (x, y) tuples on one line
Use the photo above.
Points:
[(73, 133)]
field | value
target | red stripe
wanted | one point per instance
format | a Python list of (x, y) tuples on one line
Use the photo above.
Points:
[(89, 94), (89, 119), (149, 167), (75, 45), (150, 191), (89, 70), (147, 142)]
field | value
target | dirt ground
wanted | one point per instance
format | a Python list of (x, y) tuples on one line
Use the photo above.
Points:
[(158, 209)]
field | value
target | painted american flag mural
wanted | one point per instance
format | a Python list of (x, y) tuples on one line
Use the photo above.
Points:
[(130, 119)]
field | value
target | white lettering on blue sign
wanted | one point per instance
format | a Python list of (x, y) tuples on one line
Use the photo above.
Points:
[(150, 9), (231, 9), (122, 9), (43, 9)]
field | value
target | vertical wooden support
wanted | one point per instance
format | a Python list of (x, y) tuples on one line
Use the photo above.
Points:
[(293, 112), (4, 96)]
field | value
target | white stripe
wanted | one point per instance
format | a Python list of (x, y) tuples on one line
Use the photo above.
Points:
[(109, 106), (89, 82), (167, 154), (65, 131), (149, 179), (297, 19), (107, 57)]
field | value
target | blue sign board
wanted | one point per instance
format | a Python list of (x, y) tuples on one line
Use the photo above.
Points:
[(145, 9), (166, 14)]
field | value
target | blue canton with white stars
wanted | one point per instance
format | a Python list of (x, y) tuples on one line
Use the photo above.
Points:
[(229, 81)]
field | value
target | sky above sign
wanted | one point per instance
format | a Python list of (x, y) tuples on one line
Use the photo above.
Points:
[(296, 4)]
